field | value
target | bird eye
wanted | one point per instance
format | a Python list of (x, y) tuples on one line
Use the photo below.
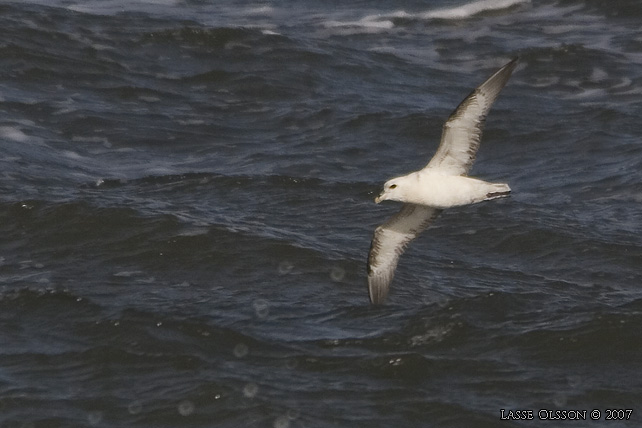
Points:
[(393, 186)]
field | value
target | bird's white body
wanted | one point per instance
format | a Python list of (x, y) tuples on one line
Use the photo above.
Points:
[(437, 190)]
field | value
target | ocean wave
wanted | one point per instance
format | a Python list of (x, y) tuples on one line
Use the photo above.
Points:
[(472, 9), (214, 179), (626, 10), (152, 233), (218, 38), (382, 22), (576, 341)]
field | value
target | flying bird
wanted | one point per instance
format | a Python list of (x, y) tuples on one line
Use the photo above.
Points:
[(443, 183)]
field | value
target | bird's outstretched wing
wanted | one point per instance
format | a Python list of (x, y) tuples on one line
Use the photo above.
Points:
[(462, 131), (389, 242)]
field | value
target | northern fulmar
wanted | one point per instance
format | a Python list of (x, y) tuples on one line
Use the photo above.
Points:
[(443, 183)]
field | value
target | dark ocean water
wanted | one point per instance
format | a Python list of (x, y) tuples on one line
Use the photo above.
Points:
[(186, 206)]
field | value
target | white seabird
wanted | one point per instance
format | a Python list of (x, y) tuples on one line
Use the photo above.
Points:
[(441, 184)]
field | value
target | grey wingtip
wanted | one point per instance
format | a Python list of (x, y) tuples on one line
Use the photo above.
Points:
[(513, 62), (507, 69), (509, 66)]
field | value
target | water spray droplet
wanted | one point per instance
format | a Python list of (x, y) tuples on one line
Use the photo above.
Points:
[(135, 408), (261, 308), (337, 274), (285, 267), (291, 363), (282, 422), (185, 408), (241, 350), (94, 418), (250, 390)]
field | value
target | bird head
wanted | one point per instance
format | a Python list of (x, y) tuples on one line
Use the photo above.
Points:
[(391, 191)]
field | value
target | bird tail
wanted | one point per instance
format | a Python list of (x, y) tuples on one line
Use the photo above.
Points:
[(497, 190)]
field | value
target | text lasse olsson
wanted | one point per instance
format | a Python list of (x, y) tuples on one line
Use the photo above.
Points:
[(544, 414)]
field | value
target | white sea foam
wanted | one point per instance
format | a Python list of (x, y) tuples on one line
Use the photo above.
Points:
[(545, 82), (13, 134), (599, 75), (375, 23), (368, 24), (149, 98), (112, 7), (70, 154), (259, 10), (471, 9)]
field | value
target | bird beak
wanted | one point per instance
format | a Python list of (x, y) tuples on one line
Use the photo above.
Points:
[(379, 198)]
